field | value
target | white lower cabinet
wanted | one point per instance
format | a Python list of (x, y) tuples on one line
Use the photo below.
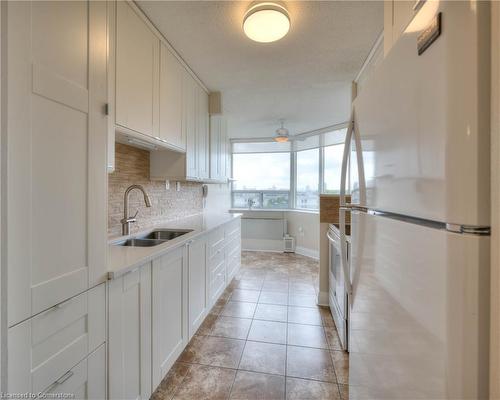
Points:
[(155, 309), (198, 296), (170, 331), (130, 335), (52, 351)]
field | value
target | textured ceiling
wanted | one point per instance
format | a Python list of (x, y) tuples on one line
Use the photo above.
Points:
[(303, 78)]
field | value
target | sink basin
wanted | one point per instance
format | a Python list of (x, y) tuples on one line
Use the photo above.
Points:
[(165, 234), (141, 242)]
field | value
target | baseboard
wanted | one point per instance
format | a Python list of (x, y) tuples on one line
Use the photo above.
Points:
[(323, 299), (304, 251)]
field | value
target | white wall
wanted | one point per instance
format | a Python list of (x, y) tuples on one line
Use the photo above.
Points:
[(304, 226)]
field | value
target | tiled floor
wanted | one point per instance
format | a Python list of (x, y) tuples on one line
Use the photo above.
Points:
[(265, 339)]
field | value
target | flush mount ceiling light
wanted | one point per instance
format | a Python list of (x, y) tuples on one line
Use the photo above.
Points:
[(266, 22), (281, 133)]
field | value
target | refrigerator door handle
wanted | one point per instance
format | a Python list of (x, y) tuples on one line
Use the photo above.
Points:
[(345, 158), (343, 208), (343, 253)]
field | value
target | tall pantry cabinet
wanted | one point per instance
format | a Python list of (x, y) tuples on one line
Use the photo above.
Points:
[(56, 195)]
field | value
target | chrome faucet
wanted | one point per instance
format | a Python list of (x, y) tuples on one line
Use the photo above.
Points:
[(126, 221)]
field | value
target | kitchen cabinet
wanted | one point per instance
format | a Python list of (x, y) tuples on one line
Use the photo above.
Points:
[(232, 234), (202, 132), (190, 125), (218, 148), (197, 281), (44, 350), (56, 176), (170, 310), (194, 165), (171, 99), (397, 15), (129, 330), (137, 72)]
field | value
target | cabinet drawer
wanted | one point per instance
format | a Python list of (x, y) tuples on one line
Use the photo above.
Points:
[(233, 262), (86, 380), (215, 241), (45, 347), (216, 260), (233, 245), (232, 230), (217, 282)]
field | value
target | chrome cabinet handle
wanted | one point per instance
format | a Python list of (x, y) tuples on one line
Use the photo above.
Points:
[(60, 381)]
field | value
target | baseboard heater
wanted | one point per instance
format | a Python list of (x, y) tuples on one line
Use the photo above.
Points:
[(266, 234)]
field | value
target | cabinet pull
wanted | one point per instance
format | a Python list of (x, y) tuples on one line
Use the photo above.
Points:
[(60, 381)]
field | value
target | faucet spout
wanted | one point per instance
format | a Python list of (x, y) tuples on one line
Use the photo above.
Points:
[(126, 221)]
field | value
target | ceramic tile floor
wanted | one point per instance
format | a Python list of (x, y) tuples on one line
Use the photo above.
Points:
[(265, 339)]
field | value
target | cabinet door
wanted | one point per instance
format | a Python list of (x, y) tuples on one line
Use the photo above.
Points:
[(218, 148), (198, 297), (57, 135), (189, 119), (129, 335), (171, 76), (137, 70), (202, 133), (169, 311)]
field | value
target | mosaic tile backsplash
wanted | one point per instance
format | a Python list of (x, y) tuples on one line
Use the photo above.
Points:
[(132, 167)]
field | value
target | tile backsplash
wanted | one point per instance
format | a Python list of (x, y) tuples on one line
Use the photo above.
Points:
[(132, 167)]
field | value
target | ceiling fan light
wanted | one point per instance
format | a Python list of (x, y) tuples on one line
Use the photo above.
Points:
[(281, 139), (266, 22)]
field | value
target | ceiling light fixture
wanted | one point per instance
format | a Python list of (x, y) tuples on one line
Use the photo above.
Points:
[(266, 22), (281, 133)]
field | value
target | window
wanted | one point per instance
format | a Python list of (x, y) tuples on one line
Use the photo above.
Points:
[(272, 175), (307, 179), (262, 180), (332, 168)]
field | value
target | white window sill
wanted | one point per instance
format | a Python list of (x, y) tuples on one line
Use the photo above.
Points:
[(296, 210)]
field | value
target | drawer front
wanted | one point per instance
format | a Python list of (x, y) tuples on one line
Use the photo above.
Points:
[(215, 241), (217, 279), (86, 380), (216, 260), (232, 230), (233, 245), (233, 262), (45, 347)]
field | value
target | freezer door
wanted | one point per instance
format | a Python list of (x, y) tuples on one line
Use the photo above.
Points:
[(419, 312), (424, 120)]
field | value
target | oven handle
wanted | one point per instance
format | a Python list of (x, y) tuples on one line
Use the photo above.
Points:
[(343, 252)]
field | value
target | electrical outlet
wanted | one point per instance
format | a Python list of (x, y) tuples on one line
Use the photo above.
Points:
[(167, 185)]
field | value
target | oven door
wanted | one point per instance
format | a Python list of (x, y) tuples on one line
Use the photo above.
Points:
[(337, 292)]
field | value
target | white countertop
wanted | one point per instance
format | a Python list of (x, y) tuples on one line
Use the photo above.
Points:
[(122, 259)]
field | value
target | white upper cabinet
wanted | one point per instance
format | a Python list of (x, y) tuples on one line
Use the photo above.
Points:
[(202, 132), (171, 99), (57, 140), (170, 302), (218, 148), (137, 72), (190, 125)]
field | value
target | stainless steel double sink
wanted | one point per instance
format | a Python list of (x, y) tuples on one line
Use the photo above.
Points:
[(154, 238)]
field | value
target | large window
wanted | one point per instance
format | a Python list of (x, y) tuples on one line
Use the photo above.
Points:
[(271, 175), (307, 179), (262, 180), (332, 168)]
